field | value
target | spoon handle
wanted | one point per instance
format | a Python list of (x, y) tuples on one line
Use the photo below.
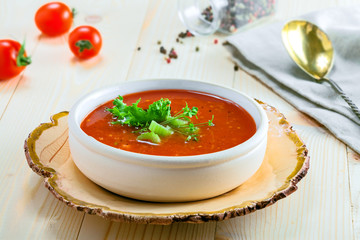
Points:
[(352, 105)]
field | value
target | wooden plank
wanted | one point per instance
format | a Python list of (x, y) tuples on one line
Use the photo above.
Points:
[(52, 84), (25, 202), (354, 178), (54, 81), (316, 210), (210, 63), (116, 230), (19, 31), (306, 212)]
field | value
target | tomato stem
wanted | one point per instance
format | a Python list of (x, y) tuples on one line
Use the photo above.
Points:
[(74, 12), (21, 59), (83, 44)]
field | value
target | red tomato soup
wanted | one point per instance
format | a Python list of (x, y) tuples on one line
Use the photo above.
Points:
[(232, 124)]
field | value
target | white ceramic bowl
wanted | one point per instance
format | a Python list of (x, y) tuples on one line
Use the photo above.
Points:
[(163, 178)]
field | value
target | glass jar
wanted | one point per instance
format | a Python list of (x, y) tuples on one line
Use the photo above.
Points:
[(204, 17)]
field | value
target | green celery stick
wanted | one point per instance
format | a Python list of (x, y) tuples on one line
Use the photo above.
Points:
[(150, 136), (178, 122), (159, 129)]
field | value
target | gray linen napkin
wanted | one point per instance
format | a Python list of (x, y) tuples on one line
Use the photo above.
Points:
[(260, 52)]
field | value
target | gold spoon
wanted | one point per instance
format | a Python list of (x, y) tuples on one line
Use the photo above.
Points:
[(312, 51)]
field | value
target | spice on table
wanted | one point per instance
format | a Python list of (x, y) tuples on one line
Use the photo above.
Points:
[(185, 34), (168, 60), (197, 49), (173, 54), (182, 35), (179, 41), (139, 48), (236, 68), (189, 34), (159, 42), (163, 50), (216, 41)]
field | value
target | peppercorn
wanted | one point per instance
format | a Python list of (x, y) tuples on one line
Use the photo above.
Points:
[(162, 50), (185, 34), (173, 54)]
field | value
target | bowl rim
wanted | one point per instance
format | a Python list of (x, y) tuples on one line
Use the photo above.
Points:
[(166, 161)]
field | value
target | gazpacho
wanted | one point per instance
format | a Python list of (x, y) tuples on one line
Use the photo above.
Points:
[(170, 122)]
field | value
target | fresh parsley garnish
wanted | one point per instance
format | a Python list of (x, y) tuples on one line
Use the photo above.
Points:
[(157, 121)]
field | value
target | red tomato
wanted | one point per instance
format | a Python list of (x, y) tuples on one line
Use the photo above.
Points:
[(85, 42), (54, 18), (13, 59)]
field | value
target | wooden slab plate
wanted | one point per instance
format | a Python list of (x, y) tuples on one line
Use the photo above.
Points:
[(285, 164)]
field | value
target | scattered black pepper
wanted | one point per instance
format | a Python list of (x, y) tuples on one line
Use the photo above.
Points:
[(159, 42), (197, 49), (139, 48), (179, 41), (185, 34), (236, 68), (163, 50), (182, 35)]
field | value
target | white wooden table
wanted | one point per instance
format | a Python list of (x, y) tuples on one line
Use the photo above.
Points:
[(326, 205)]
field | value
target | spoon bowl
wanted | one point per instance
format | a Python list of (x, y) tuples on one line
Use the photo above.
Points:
[(312, 50), (309, 47)]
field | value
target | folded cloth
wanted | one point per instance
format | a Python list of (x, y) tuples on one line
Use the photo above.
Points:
[(260, 51)]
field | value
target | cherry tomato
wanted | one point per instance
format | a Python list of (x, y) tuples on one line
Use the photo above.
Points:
[(13, 59), (54, 18), (85, 42)]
